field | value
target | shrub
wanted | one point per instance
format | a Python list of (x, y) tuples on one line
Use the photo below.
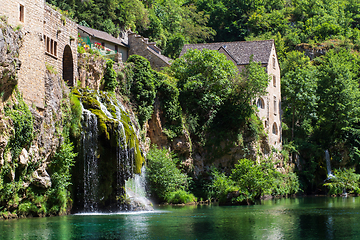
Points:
[(60, 167), (162, 174), (23, 126), (250, 180), (180, 196), (110, 81), (344, 180)]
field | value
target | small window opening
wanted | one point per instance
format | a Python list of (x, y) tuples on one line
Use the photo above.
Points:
[(52, 47), (275, 105), (274, 62), (274, 81), (266, 124), (103, 44), (47, 44), (275, 129), (116, 48), (55, 49), (22, 13), (260, 103)]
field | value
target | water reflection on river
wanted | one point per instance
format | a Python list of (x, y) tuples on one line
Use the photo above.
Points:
[(300, 218)]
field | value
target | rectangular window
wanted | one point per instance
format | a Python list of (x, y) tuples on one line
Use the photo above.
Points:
[(274, 81), (52, 47), (274, 63), (55, 49), (103, 44), (116, 48), (22, 13), (275, 105), (47, 44)]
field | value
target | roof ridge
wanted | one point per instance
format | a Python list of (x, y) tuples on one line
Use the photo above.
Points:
[(231, 42)]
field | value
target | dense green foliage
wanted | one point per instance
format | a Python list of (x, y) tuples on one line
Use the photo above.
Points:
[(212, 94), (143, 87), (250, 180), (110, 81), (19, 192), (23, 126), (168, 95), (165, 179), (317, 43), (344, 181), (60, 171)]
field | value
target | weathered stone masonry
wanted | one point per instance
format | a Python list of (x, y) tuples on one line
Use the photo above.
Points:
[(40, 24)]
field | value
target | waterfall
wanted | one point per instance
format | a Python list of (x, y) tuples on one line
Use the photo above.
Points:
[(110, 158), (89, 141), (328, 165), (136, 191)]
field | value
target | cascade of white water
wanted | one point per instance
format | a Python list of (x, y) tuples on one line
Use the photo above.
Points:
[(136, 191), (328, 165), (122, 161), (89, 140)]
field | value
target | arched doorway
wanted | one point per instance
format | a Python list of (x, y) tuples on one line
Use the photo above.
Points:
[(68, 66)]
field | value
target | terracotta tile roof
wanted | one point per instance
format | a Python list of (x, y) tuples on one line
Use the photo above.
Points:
[(239, 51), (102, 35)]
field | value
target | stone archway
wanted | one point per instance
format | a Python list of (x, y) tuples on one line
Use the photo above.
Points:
[(68, 66)]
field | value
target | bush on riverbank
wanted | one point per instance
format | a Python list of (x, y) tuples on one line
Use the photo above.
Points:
[(344, 180), (249, 181), (166, 181)]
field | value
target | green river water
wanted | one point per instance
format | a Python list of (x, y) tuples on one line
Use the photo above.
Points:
[(297, 218)]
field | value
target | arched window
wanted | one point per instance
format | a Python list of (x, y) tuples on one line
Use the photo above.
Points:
[(68, 66), (275, 105), (275, 129), (260, 103)]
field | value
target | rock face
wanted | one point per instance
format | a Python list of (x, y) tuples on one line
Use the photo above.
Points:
[(10, 42), (91, 70)]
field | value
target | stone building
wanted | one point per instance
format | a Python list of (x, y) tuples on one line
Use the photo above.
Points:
[(49, 39), (105, 39), (269, 106), (141, 46)]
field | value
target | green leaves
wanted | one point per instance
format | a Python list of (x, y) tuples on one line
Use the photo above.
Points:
[(163, 176), (250, 180), (110, 81), (143, 87), (344, 180)]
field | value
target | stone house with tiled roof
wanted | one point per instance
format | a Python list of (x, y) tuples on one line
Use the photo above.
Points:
[(131, 44), (106, 40), (269, 106)]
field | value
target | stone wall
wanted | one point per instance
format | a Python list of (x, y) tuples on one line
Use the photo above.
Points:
[(140, 46), (40, 23), (271, 114), (63, 32), (31, 74)]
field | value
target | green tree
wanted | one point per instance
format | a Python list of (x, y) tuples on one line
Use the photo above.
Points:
[(339, 103), (204, 80), (298, 88), (143, 89), (110, 81)]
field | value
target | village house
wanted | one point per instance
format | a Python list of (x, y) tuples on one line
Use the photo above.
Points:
[(128, 44), (269, 106), (50, 39), (108, 43)]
